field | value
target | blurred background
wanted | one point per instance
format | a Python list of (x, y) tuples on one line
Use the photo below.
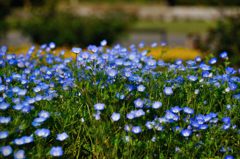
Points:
[(188, 27)]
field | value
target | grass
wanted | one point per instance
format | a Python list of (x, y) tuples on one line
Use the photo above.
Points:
[(70, 90)]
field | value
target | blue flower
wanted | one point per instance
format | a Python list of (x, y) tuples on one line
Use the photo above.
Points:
[(20, 154), (168, 91), (224, 55), (115, 116), (61, 137), (3, 134), (226, 120), (76, 50), (136, 129), (176, 109), (198, 59), (112, 72), (104, 43), (99, 106), (186, 132), (52, 45), (138, 113), (56, 151), (44, 114), (228, 157), (213, 60), (6, 150), (141, 88), (4, 106), (4, 120), (192, 78), (42, 132), (138, 103), (188, 110), (156, 105)]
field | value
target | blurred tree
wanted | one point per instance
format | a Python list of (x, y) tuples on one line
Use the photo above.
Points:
[(225, 37), (4, 11), (171, 2), (67, 29)]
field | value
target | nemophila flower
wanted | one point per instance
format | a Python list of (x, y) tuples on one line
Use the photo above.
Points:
[(186, 132), (19, 154), (2, 88), (38, 121), (76, 50), (228, 106), (97, 115), (3, 134), (115, 116), (22, 92), (228, 157), (226, 120), (230, 70), (224, 55), (127, 128), (203, 127), (154, 45), (61, 137), (27, 139), (212, 60), (141, 88), (52, 45), (188, 110), (198, 59), (6, 150), (42, 132), (139, 113), (149, 124), (136, 129), (120, 96), (176, 109), (44, 114), (103, 43), (112, 73), (171, 116), (56, 151), (131, 115), (196, 91), (92, 48), (99, 106), (138, 103), (168, 91), (192, 78), (178, 62), (156, 105), (4, 105), (226, 126), (15, 89), (4, 120), (37, 89)]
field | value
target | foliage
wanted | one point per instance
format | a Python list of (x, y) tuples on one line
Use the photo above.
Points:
[(225, 37), (208, 2), (67, 29), (116, 103)]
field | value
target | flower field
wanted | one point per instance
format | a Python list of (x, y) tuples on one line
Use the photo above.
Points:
[(117, 103)]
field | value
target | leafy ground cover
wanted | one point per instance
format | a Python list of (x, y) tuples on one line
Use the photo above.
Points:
[(117, 103)]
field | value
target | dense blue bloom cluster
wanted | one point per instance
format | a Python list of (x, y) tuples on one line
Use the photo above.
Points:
[(40, 76)]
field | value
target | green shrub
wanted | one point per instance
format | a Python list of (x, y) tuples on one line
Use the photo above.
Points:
[(225, 37), (67, 29)]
